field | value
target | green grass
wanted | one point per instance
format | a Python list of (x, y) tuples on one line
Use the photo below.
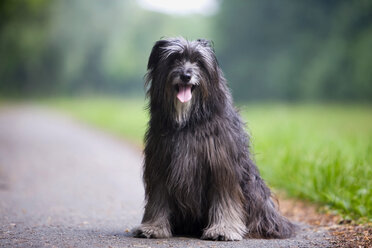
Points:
[(125, 118), (322, 153)]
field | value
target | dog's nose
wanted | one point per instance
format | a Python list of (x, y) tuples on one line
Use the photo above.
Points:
[(185, 77)]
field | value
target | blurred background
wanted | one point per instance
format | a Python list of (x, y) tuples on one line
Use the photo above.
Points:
[(301, 72), (269, 50)]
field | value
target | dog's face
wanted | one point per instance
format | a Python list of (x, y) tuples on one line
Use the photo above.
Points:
[(182, 75)]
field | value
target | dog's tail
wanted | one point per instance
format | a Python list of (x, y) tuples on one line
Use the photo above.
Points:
[(263, 217)]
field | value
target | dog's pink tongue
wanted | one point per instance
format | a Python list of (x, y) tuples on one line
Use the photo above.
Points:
[(184, 93)]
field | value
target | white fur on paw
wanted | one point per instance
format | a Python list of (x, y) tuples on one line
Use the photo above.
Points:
[(221, 234), (152, 231)]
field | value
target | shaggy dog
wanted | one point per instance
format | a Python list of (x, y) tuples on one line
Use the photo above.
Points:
[(198, 173)]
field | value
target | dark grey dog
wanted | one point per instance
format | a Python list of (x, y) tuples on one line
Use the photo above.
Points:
[(198, 174)]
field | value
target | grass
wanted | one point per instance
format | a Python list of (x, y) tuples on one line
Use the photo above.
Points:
[(125, 118), (322, 153)]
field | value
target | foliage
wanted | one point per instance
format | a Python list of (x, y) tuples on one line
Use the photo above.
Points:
[(283, 50), (293, 50), (74, 47), (317, 152), (24, 50)]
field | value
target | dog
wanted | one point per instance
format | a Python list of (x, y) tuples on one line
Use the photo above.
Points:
[(199, 176)]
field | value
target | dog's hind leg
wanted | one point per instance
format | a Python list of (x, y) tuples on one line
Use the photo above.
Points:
[(155, 222), (263, 218)]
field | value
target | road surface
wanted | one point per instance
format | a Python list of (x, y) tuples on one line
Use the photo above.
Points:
[(64, 184)]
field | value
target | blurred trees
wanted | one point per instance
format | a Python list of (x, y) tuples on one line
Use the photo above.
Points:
[(296, 50), (280, 50), (24, 47), (82, 46)]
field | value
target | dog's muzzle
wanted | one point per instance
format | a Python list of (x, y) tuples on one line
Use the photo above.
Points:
[(185, 88)]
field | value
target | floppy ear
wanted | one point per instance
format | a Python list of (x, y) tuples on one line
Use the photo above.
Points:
[(155, 54)]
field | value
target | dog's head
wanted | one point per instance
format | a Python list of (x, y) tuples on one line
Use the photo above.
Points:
[(183, 76)]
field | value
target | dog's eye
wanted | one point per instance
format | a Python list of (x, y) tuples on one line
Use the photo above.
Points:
[(174, 58), (201, 65)]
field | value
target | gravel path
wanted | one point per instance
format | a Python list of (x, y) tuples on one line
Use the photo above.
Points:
[(63, 184)]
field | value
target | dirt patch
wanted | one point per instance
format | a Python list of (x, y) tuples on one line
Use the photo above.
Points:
[(345, 233)]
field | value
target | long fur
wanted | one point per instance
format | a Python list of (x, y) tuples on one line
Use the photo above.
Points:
[(199, 176)]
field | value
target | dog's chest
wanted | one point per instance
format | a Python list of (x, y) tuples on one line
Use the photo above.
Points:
[(188, 173), (189, 154)]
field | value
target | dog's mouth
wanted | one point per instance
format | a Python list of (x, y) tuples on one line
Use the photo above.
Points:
[(184, 92)]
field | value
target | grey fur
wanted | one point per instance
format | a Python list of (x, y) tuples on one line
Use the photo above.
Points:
[(198, 173)]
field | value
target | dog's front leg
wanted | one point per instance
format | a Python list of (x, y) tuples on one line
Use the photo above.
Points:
[(155, 222), (226, 216)]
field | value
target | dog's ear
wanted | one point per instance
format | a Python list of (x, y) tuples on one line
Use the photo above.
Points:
[(205, 43), (156, 53)]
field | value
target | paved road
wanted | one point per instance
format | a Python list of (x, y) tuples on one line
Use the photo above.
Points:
[(63, 184)]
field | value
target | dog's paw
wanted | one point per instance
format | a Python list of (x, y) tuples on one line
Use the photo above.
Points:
[(221, 234), (152, 231)]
